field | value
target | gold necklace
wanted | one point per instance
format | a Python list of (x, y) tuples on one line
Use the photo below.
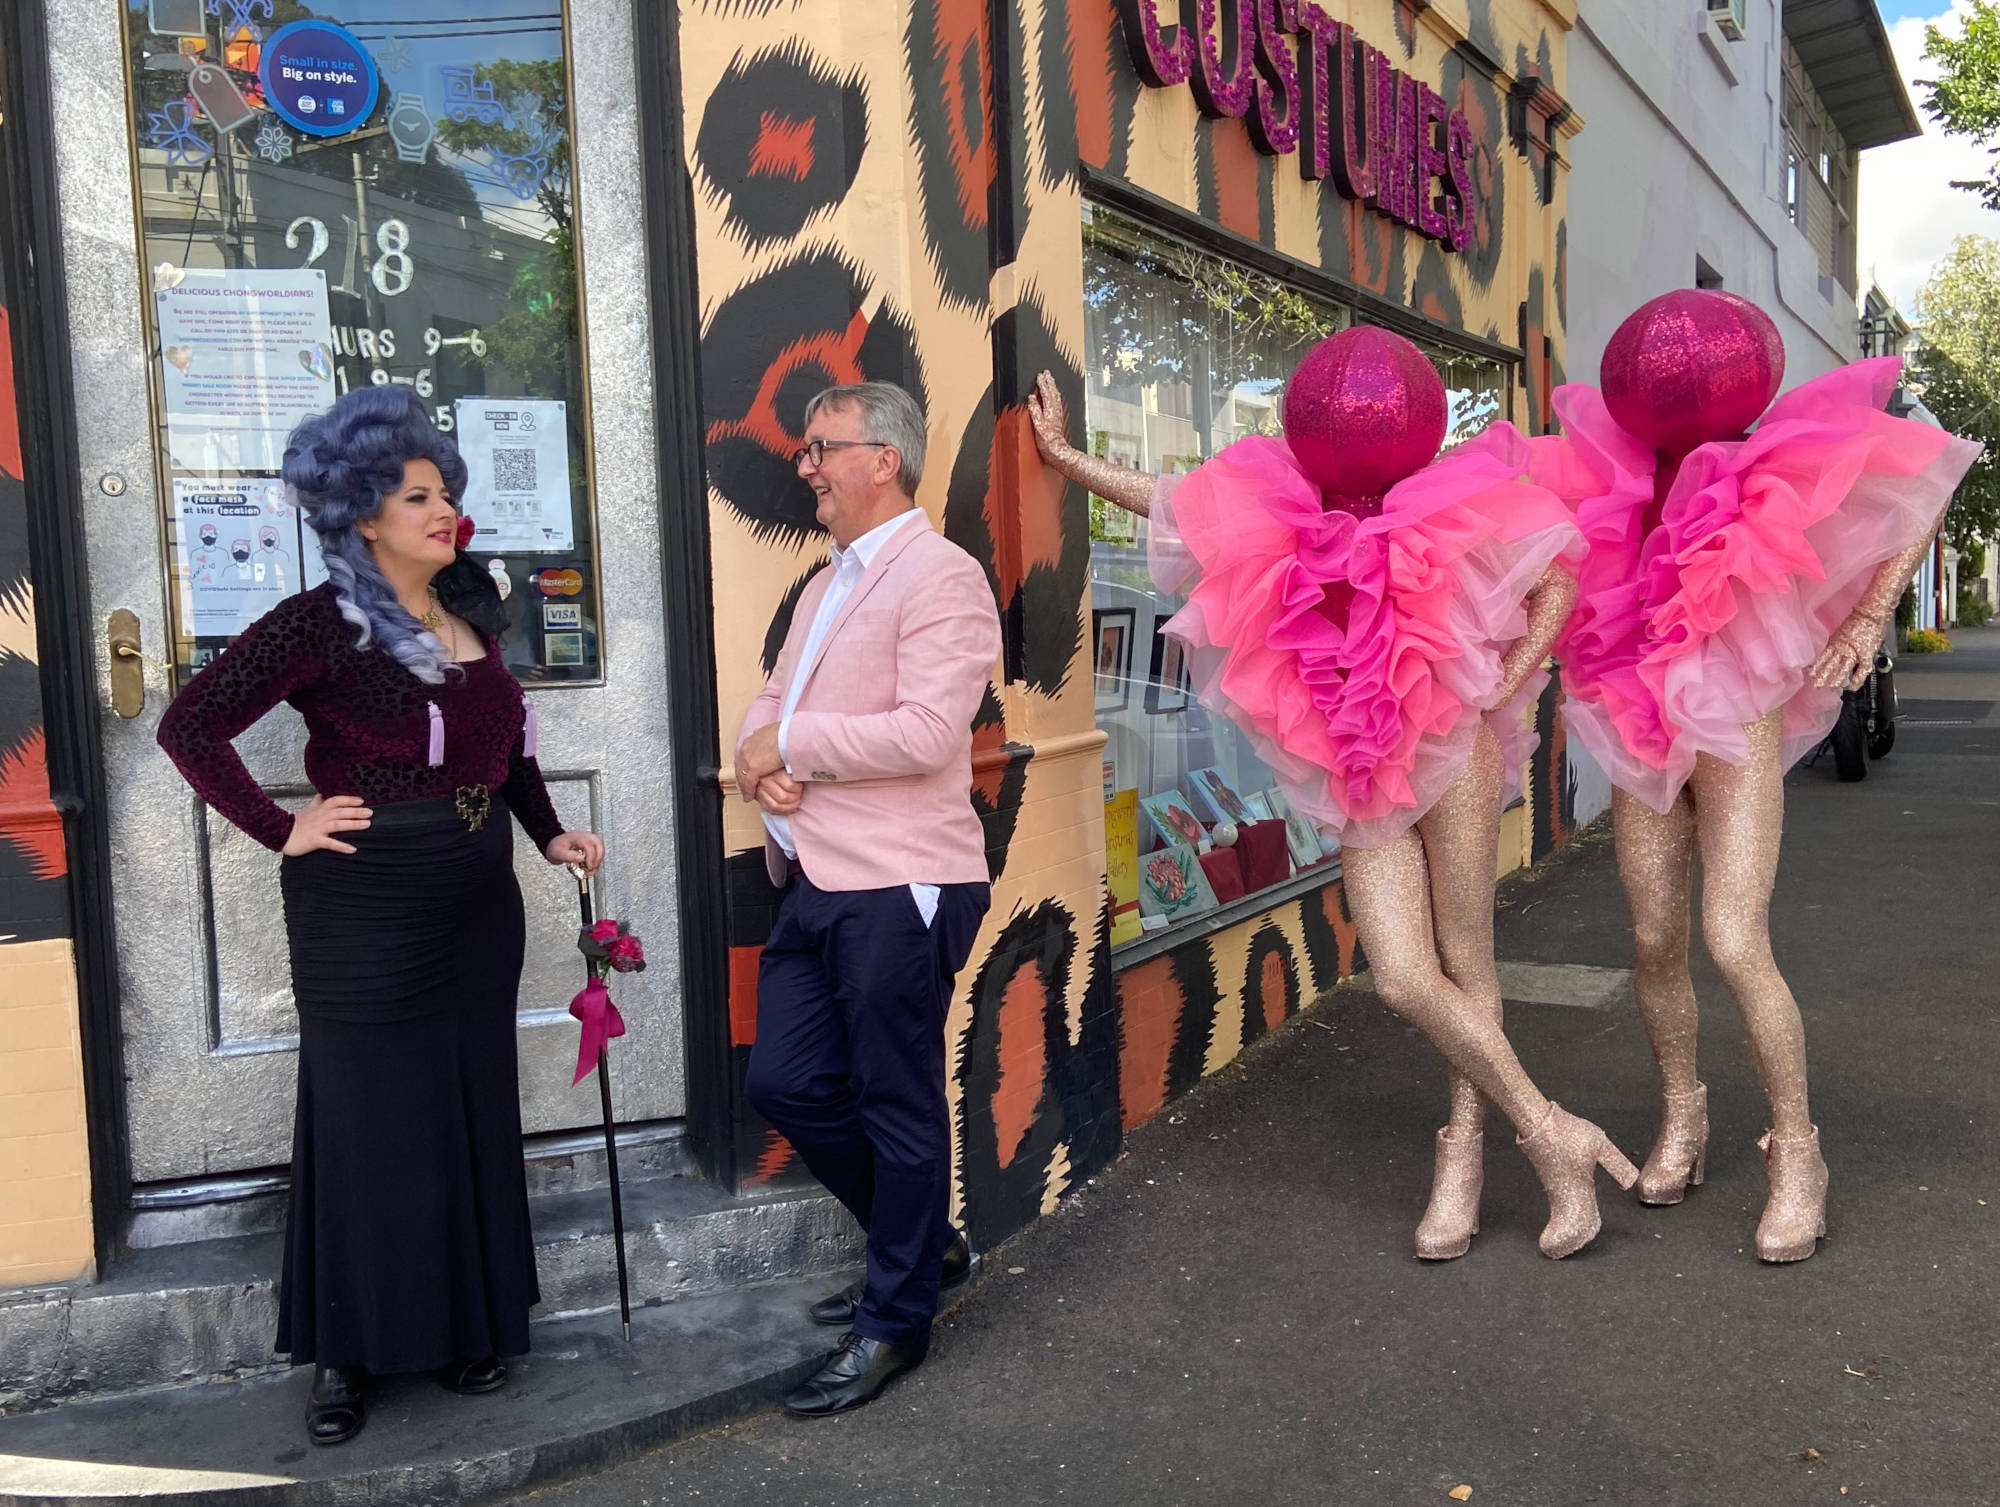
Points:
[(433, 620)]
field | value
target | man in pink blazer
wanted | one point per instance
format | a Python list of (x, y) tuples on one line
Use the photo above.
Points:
[(859, 751)]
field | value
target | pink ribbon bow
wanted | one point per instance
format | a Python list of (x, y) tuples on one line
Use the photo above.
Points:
[(601, 1022)]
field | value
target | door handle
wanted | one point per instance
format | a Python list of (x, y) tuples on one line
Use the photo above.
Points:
[(128, 663)]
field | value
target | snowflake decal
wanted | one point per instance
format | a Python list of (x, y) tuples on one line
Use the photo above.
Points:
[(273, 145), (393, 56), (170, 129), (240, 12)]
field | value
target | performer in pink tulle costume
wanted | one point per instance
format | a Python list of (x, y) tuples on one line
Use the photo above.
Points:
[(1735, 583), (1375, 619)]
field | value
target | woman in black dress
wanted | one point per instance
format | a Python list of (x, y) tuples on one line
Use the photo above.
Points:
[(407, 1247)]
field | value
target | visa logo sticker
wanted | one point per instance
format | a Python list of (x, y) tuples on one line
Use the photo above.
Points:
[(562, 615)]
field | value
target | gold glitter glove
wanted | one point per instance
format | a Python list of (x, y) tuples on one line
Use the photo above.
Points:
[(1131, 490), (1549, 606), (1849, 655)]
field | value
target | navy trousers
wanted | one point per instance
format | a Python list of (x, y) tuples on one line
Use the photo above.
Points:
[(849, 1065)]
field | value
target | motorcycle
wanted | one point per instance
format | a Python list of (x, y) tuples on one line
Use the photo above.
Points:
[(1866, 727)]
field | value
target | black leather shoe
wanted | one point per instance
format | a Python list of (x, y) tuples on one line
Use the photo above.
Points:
[(334, 1412), (469, 1378), (853, 1374), (837, 1310)]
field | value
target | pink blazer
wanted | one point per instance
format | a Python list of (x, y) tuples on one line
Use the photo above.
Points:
[(882, 734)]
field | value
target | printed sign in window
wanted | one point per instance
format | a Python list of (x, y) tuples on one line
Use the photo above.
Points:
[(517, 463)]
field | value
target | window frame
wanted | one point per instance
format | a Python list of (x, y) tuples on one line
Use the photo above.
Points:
[(1161, 218)]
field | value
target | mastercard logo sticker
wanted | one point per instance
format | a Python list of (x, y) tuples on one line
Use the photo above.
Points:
[(559, 583)]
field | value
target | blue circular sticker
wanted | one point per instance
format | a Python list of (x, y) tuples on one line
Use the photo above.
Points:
[(319, 78)]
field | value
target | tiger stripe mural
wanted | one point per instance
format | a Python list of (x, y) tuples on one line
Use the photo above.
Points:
[(897, 192)]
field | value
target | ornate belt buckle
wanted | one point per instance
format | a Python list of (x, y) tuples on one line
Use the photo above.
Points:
[(473, 802)]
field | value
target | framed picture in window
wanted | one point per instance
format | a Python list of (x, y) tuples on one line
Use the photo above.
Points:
[(1213, 790), (1174, 819), (1300, 835), (1167, 680), (1172, 884), (1111, 633)]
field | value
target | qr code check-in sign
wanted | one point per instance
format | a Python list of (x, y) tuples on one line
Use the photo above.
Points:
[(514, 471)]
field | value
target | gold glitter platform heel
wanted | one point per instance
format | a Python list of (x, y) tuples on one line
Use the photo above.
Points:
[(1566, 1152), (1680, 1153), (1446, 1230), (1795, 1218)]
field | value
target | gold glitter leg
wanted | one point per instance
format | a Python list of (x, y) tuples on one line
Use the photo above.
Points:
[(1656, 867), (1461, 837), (1740, 814), (1388, 891)]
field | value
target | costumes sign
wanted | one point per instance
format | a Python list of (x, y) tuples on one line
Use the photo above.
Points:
[(319, 78), (1304, 83)]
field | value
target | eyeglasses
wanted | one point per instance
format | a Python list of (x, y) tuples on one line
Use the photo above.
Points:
[(815, 450)]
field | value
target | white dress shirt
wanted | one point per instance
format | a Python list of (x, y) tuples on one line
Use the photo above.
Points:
[(848, 566)]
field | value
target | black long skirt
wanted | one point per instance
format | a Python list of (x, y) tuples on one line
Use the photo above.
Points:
[(408, 1244)]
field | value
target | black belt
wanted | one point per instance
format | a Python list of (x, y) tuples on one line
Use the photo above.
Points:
[(470, 805)]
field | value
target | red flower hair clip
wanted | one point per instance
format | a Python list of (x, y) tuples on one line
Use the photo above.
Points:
[(466, 529)]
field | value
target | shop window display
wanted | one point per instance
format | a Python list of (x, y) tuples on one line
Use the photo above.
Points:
[(1187, 352), (367, 191)]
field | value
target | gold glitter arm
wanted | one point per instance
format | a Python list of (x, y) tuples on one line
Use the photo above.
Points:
[(1131, 490), (1849, 655), (1549, 606)]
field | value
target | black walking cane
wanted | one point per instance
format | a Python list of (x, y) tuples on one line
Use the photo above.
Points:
[(610, 1137)]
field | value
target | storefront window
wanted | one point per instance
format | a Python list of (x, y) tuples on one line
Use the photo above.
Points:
[(1186, 352), (369, 191)]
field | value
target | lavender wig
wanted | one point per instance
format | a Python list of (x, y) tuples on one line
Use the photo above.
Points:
[(340, 465)]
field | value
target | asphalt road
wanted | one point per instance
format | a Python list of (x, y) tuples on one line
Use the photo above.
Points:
[(1232, 1314)]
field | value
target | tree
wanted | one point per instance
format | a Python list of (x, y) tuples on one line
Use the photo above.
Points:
[(1965, 96), (1956, 368), (526, 140)]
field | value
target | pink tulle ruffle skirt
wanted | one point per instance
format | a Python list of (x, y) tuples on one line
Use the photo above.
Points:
[(1688, 633), (1360, 656)]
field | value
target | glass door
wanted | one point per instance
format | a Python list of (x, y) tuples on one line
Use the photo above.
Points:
[(366, 191)]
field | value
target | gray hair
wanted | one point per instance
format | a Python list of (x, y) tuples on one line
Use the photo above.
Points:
[(889, 416)]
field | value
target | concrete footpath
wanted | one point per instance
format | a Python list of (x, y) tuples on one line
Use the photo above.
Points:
[(1232, 1314)]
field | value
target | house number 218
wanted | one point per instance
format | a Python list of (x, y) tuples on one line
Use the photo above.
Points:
[(392, 271)]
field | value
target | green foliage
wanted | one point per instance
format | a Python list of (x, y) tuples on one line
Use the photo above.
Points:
[(1926, 641), (1956, 367), (1965, 96), (1973, 611)]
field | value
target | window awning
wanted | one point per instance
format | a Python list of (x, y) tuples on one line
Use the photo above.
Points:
[(1845, 49)]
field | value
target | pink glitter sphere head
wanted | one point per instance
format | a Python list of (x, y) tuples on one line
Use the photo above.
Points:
[(1691, 367), (1364, 410)]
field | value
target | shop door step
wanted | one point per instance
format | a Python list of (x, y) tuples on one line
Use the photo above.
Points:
[(583, 1401), (207, 1311)]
